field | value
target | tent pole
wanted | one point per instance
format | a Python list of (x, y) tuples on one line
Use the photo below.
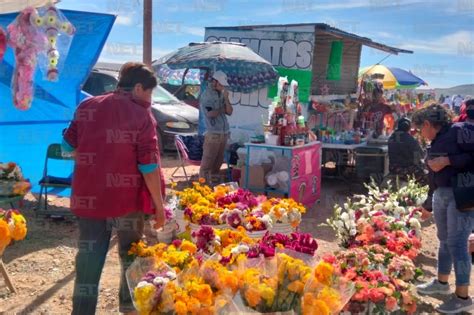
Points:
[(147, 31)]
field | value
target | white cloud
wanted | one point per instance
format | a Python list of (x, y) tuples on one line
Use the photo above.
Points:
[(459, 43), (310, 5), (124, 20), (193, 30), (122, 52)]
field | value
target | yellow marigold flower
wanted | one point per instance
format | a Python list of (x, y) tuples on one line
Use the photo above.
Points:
[(143, 296), (231, 281), (267, 293), (188, 246), (204, 294), (20, 230), (331, 297), (313, 306), (323, 272), (181, 308), (321, 308)]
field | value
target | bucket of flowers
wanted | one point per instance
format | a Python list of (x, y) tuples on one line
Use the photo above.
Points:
[(12, 182)]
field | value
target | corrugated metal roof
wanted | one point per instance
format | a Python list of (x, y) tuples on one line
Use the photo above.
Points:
[(324, 28)]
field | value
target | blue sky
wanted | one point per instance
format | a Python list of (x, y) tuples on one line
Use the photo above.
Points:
[(441, 32)]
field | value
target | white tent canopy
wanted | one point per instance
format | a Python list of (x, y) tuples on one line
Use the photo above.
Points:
[(8, 6)]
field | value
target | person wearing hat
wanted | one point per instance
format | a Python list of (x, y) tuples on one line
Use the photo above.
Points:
[(405, 153), (215, 105)]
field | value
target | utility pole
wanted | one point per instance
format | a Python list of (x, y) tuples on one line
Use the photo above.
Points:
[(147, 31)]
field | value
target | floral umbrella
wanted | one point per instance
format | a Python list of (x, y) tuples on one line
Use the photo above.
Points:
[(246, 71), (175, 77)]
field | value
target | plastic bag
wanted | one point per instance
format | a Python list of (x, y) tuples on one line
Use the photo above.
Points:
[(27, 42), (59, 33), (192, 294)]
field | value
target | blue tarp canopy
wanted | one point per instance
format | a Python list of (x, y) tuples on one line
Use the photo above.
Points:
[(25, 135)]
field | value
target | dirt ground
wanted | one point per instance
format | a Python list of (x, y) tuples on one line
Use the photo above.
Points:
[(42, 266)]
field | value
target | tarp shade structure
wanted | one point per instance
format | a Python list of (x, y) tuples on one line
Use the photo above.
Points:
[(25, 135)]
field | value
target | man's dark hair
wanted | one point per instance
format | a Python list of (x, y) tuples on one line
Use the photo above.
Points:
[(404, 124), (133, 73), (435, 114)]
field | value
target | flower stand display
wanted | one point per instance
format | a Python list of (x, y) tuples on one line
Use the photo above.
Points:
[(12, 228), (227, 271), (227, 206), (12, 182)]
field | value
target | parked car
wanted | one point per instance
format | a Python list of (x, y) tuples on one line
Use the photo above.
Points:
[(187, 93), (173, 116)]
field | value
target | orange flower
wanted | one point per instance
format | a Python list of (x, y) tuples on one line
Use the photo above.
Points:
[(181, 308), (5, 236), (252, 296), (202, 180), (296, 286), (320, 308), (188, 246), (410, 309), (323, 273), (375, 295), (204, 294), (391, 304)]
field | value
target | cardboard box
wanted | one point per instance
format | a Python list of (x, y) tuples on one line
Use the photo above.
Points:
[(256, 178)]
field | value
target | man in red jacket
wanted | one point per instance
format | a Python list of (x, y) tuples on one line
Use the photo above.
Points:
[(116, 179)]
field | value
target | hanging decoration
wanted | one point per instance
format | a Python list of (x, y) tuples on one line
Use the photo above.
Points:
[(27, 42), (59, 32), (3, 43), (37, 36)]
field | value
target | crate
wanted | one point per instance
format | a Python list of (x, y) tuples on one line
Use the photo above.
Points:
[(372, 161)]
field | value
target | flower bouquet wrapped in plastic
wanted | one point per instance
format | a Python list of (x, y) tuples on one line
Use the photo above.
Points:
[(258, 285), (146, 278), (326, 292), (293, 271), (180, 255), (191, 293)]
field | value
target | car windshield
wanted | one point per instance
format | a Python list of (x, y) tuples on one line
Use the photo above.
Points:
[(161, 96)]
